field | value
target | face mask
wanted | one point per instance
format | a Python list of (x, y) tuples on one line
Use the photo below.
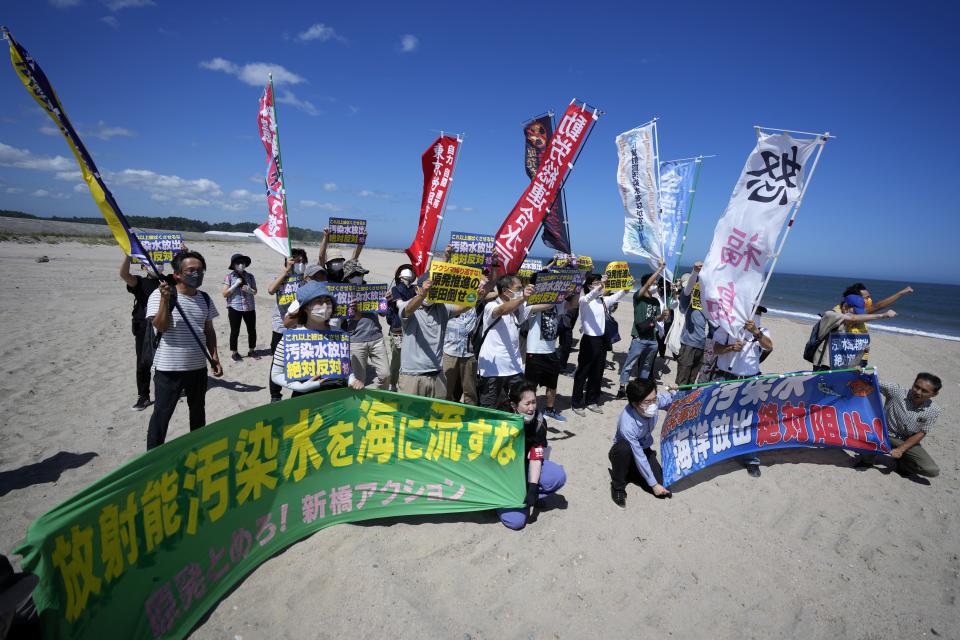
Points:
[(239, 268), (192, 280), (516, 295), (299, 268), (321, 311), (527, 419), (650, 411), (355, 279)]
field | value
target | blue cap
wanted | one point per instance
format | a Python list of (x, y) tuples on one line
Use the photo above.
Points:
[(312, 290), (855, 301)]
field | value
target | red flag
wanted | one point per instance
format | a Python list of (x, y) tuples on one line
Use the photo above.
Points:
[(518, 230), (274, 231), (438, 161)]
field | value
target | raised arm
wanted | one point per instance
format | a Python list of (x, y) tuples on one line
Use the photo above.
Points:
[(869, 317), (322, 256), (692, 282), (125, 274), (278, 282), (651, 281), (512, 305), (886, 302)]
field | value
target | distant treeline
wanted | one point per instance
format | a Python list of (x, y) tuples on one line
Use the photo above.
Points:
[(176, 223)]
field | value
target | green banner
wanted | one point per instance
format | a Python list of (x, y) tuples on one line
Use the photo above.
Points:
[(149, 549)]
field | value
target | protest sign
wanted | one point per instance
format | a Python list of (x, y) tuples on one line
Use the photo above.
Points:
[(846, 349), (149, 549), (308, 353), (552, 287), (840, 409), (370, 298), (472, 249), (585, 263), (347, 231), (529, 267), (453, 284), (161, 247), (287, 292), (343, 296), (619, 277)]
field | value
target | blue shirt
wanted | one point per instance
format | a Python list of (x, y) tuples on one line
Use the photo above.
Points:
[(457, 341), (694, 324), (637, 430)]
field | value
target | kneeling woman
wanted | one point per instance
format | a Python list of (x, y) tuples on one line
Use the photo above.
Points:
[(543, 476), (314, 310)]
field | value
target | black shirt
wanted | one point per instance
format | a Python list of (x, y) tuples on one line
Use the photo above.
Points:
[(141, 293)]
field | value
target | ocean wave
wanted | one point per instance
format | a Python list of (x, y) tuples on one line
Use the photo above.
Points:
[(873, 327)]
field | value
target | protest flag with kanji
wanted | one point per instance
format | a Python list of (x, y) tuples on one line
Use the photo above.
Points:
[(274, 232), (438, 162), (537, 134)]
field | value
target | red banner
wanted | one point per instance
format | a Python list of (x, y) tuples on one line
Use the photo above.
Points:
[(438, 161), (518, 230), (273, 232)]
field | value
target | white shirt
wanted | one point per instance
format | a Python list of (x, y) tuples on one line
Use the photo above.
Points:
[(745, 362), (593, 320), (500, 353), (535, 341), (178, 350)]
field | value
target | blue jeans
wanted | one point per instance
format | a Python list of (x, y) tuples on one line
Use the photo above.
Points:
[(643, 350), (552, 479)]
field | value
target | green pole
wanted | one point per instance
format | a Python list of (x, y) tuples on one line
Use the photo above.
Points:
[(693, 193), (280, 166), (773, 376)]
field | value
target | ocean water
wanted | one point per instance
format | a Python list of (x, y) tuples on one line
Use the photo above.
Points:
[(932, 310)]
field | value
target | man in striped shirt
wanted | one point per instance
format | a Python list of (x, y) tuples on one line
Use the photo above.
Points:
[(180, 362), (910, 416)]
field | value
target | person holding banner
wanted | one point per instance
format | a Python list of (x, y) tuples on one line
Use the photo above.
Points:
[(402, 290), (588, 378), (910, 417), (543, 364), (239, 288), (314, 311), (180, 363), (544, 477), (860, 289), (632, 457), (851, 313), (285, 288), (693, 338), (643, 347), (366, 335), (334, 266), (141, 287)]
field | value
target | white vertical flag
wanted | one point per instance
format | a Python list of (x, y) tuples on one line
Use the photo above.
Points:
[(637, 177), (745, 239)]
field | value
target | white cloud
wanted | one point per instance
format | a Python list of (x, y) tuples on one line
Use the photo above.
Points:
[(287, 97), (110, 21), (172, 186), (367, 193), (313, 204), (81, 188), (56, 195), (14, 190), (69, 176), (64, 4), (194, 202), (329, 186), (49, 130), (159, 197), (409, 43), (24, 159), (117, 5), (105, 132), (254, 73), (320, 32)]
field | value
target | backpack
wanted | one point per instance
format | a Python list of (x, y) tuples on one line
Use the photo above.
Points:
[(813, 342)]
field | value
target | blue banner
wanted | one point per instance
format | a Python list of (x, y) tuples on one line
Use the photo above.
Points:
[(846, 349), (308, 354), (676, 181), (472, 249), (840, 409)]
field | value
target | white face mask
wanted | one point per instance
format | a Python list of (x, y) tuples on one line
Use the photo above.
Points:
[(516, 295), (527, 419), (321, 311), (299, 268), (650, 411), (355, 279), (239, 268)]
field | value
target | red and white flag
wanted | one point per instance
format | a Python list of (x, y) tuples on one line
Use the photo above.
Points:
[(274, 232), (438, 162), (516, 234)]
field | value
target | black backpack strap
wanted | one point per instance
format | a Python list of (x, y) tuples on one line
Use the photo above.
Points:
[(486, 331)]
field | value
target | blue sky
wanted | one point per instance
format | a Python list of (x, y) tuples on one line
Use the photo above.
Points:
[(165, 98)]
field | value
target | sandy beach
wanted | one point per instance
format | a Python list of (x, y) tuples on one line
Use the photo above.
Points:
[(812, 549)]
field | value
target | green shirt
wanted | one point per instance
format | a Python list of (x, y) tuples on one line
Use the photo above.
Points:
[(645, 312)]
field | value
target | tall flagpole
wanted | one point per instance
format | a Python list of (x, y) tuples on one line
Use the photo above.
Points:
[(693, 192), (563, 197), (283, 185), (659, 213), (796, 207), (443, 210)]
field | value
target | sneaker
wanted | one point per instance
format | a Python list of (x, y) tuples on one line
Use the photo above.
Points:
[(236, 357), (579, 411), (275, 399), (860, 464), (553, 415), (142, 403), (619, 498), (753, 470), (595, 408), (253, 354), (621, 393)]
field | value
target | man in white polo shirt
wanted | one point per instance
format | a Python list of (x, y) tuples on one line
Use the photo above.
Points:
[(180, 362), (740, 358)]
